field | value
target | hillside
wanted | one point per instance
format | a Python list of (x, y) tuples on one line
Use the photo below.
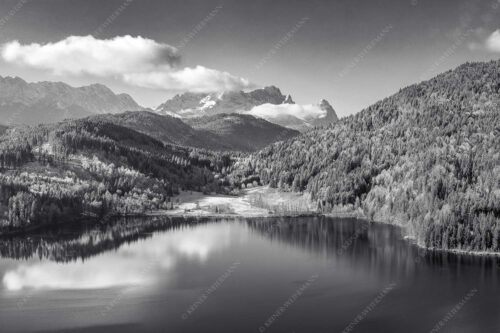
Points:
[(427, 158), (167, 129), (218, 133), (46, 102), (89, 168), (246, 132)]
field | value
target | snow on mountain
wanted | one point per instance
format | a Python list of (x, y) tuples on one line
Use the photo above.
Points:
[(267, 103)]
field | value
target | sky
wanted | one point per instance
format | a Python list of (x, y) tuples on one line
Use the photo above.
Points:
[(350, 52)]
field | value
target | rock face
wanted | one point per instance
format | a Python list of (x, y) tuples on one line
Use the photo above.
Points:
[(189, 105), (330, 117), (44, 102), (267, 103)]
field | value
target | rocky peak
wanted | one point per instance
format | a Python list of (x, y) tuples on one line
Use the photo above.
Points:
[(288, 100), (195, 104), (331, 115)]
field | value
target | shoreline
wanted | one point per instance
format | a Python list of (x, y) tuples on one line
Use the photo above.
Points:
[(195, 205)]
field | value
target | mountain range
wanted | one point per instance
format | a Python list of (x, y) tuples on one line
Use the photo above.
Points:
[(190, 104), (267, 103), (46, 102)]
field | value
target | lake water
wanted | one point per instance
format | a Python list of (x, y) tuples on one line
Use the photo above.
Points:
[(266, 275)]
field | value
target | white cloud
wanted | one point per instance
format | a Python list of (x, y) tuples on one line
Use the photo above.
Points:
[(137, 61), (304, 112), (87, 55), (198, 79), (493, 41)]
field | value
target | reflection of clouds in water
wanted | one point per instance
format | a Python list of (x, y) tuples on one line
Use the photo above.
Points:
[(200, 242), (135, 264)]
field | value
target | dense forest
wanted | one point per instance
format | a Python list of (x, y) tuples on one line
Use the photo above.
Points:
[(85, 168), (427, 158)]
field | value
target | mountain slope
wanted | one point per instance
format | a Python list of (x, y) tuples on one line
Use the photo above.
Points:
[(45, 102), (243, 131), (427, 158), (166, 129), (219, 132)]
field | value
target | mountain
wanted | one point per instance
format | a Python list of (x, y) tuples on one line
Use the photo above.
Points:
[(45, 102), (167, 129), (330, 117), (246, 132), (198, 104), (267, 103), (219, 132), (426, 158)]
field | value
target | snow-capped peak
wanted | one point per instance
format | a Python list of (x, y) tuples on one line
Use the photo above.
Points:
[(207, 103)]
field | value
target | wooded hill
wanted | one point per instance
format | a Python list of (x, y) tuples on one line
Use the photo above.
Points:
[(58, 172), (427, 158), (221, 132)]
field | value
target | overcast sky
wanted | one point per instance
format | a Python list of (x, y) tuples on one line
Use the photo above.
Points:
[(350, 52)]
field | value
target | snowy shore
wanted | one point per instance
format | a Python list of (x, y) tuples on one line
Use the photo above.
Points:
[(254, 202)]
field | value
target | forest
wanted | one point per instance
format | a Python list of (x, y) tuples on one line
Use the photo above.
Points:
[(92, 169), (427, 158)]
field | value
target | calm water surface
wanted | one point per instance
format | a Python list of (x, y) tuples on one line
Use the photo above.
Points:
[(275, 275)]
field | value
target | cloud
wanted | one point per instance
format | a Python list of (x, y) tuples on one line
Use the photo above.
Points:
[(137, 61), (304, 112), (198, 79), (86, 55), (493, 42)]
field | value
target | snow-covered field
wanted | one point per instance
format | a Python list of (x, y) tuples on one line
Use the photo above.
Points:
[(245, 205)]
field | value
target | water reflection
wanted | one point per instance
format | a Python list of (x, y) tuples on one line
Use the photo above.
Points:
[(55, 281), (138, 257), (351, 241), (366, 244), (72, 242)]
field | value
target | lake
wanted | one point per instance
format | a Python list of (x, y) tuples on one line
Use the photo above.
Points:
[(246, 275)]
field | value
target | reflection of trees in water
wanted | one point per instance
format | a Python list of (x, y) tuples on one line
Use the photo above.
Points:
[(326, 235), (356, 241), (373, 244), (69, 244)]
